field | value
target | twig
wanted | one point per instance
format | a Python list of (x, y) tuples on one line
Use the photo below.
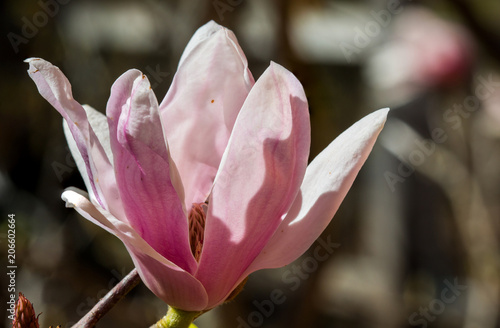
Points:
[(108, 301)]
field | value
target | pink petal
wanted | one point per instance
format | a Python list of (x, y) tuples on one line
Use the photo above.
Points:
[(258, 180), (177, 288), (99, 123), (328, 179), (56, 89), (169, 282), (199, 110), (141, 163)]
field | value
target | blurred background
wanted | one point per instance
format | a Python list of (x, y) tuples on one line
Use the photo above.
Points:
[(417, 238)]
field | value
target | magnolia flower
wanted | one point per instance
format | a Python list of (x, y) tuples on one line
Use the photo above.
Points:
[(212, 184)]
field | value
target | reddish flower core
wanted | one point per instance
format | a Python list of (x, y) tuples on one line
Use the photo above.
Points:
[(197, 217)]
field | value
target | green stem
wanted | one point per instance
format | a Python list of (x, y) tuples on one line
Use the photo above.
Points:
[(176, 318)]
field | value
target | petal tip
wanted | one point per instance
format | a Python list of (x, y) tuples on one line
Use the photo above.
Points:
[(384, 110), (38, 64), (211, 24), (275, 66), (66, 196), (32, 62), (209, 29), (29, 60), (378, 117)]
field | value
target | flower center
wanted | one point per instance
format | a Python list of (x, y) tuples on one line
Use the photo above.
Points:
[(197, 217)]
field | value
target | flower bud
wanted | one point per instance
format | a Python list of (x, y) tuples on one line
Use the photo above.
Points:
[(24, 316)]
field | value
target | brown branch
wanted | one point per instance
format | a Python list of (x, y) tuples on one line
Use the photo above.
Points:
[(108, 301)]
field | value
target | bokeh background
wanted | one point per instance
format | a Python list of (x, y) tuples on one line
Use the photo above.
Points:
[(418, 234)]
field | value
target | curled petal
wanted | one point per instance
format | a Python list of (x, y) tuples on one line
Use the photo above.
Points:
[(56, 89), (258, 179)]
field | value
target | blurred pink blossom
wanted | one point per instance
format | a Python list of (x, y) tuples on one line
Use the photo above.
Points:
[(422, 52)]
